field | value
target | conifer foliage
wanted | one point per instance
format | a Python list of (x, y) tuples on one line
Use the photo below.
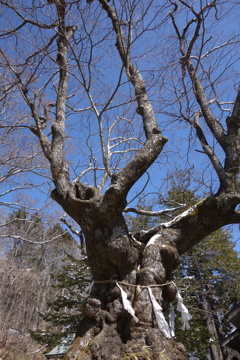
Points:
[(209, 279), (33, 259), (64, 311)]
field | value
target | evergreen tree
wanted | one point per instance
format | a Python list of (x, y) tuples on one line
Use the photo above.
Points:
[(209, 279), (33, 256), (65, 310)]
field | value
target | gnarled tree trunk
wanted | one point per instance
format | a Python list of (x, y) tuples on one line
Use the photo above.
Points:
[(135, 261)]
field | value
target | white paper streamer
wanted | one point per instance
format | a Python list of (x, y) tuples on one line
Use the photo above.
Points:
[(126, 303), (184, 312), (172, 317), (161, 321)]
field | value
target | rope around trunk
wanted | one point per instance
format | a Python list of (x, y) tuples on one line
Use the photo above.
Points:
[(133, 285)]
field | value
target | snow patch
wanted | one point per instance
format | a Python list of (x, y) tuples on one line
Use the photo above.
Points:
[(153, 239)]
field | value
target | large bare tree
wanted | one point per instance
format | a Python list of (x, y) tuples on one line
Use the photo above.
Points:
[(92, 76)]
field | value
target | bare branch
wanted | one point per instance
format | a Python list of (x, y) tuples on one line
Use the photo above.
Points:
[(25, 21), (79, 233), (208, 150), (37, 351), (153, 213), (19, 237), (155, 141)]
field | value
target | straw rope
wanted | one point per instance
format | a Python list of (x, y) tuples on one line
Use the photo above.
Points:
[(133, 285)]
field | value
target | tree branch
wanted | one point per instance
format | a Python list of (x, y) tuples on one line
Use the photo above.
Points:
[(59, 166), (125, 179), (232, 161), (208, 150), (153, 213)]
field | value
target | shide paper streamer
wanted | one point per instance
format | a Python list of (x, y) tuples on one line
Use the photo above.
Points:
[(168, 329), (126, 303), (161, 321), (172, 317), (184, 312)]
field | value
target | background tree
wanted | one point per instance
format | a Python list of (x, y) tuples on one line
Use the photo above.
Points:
[(64, 311), (21, 158), (209, 279), (32, 256), (140, 54)]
